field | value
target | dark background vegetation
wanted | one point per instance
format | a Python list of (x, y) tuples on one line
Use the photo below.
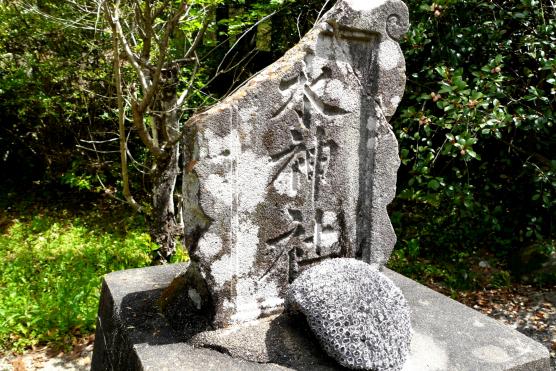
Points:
[(475, 205)]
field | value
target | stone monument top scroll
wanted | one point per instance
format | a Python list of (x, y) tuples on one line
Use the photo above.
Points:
[(299, 164)]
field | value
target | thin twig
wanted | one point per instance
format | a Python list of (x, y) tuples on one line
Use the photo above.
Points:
[(242, 36), (321, 11), (94, 149), (98, 141)]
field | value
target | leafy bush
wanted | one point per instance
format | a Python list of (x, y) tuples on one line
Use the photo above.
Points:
[(53, 84), (51, 265), (476, 133)]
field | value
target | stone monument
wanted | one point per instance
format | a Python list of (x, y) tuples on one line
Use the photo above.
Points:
[(288, 180), (299, 164)]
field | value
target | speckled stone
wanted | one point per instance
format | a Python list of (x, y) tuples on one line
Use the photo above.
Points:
[(298, 165), (360, 316)]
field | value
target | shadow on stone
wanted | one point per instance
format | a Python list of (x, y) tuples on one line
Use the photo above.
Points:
[(290, 342), (141, 313), (283, 339), (186, 303)]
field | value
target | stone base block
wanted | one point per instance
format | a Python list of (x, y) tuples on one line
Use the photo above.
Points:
[(133, 335)]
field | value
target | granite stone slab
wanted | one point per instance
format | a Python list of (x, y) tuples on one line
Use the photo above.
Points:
[(451, 336), (133, 335)]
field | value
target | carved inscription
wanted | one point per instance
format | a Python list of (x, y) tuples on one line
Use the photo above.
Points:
[(303, 167)]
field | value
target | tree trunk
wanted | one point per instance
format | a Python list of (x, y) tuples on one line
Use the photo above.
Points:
[(165, 230)]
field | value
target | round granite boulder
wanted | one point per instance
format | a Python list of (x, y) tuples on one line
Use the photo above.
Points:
[(359, 316)]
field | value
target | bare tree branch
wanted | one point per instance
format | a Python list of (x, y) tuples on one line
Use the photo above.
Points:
[(114, 20), (95, 150), (187, 91), (98, 141), (163, 50), (200, 34), (121, 121), (139, 124)]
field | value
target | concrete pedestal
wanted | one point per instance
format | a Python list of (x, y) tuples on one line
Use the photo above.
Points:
[(133, 335)]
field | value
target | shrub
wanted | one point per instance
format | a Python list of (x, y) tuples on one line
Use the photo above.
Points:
[(476, 130)]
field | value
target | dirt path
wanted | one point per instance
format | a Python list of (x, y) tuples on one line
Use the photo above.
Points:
[(44, 359)]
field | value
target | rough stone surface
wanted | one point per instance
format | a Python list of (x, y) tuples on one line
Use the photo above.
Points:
[(282, 339), (186, 302), (299, 164), (448, 336), (359, 316)]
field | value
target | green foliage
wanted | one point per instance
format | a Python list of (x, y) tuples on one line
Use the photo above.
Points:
[(476, 130), (181, 255), (50, 79), (75, 179), (51, 265)]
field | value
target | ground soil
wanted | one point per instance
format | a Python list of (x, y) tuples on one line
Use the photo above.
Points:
[(79, 359), (529, 310)]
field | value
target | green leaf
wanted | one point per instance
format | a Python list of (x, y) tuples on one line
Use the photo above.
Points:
[(434, 184), (473, 154)]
